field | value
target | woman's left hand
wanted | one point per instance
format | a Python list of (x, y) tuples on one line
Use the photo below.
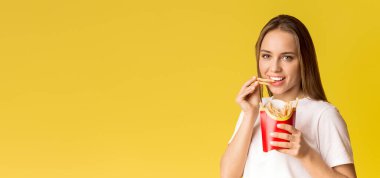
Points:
[(296, 146)]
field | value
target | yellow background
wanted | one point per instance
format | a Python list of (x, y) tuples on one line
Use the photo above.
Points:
[(147, 88)]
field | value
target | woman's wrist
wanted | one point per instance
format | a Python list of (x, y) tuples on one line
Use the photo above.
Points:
[(308, 156), (253, 109), (252, 112)]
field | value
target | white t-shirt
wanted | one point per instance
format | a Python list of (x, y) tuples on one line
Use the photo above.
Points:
[(322, 127)]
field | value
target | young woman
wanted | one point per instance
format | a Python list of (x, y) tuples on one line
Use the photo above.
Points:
[(319, 144)]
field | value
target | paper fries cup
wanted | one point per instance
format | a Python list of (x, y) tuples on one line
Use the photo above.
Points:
[(269, 124)]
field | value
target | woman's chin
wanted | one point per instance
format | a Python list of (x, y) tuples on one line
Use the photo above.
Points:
[(276, 91)]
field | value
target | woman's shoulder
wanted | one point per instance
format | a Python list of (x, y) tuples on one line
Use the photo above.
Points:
[(316, 104), (321, 109)]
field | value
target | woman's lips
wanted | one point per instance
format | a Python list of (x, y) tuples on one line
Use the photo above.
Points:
[(278, 83), (276, 80)]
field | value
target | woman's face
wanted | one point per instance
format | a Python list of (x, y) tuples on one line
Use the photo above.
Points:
[(279, 61)]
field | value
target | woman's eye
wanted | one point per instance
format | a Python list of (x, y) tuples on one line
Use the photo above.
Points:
[(287, 58), (265, 56)]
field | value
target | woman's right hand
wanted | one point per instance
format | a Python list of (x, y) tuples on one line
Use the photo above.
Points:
[(249, 95)]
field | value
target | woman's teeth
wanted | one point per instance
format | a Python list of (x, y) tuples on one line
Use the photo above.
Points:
[(277, 78)]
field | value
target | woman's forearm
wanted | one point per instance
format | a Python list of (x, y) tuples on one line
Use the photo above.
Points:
[(316, 166), (233, 160)]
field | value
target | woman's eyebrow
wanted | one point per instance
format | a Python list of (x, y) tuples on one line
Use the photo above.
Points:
[(263, 50), (288, 53)]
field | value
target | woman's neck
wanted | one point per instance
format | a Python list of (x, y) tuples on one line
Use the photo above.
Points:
[(289, 96)]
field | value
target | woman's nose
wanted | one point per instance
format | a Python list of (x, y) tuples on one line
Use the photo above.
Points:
[(275, 66)]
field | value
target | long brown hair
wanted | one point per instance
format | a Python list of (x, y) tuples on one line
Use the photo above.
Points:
[(311, 84)]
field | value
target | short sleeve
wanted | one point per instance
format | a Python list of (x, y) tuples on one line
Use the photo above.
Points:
[(333, 137), (239, 121)]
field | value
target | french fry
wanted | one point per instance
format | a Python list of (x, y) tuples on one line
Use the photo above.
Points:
[(288, 108), (264, 83), (284, 110), (280, 113), (265, 80)]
